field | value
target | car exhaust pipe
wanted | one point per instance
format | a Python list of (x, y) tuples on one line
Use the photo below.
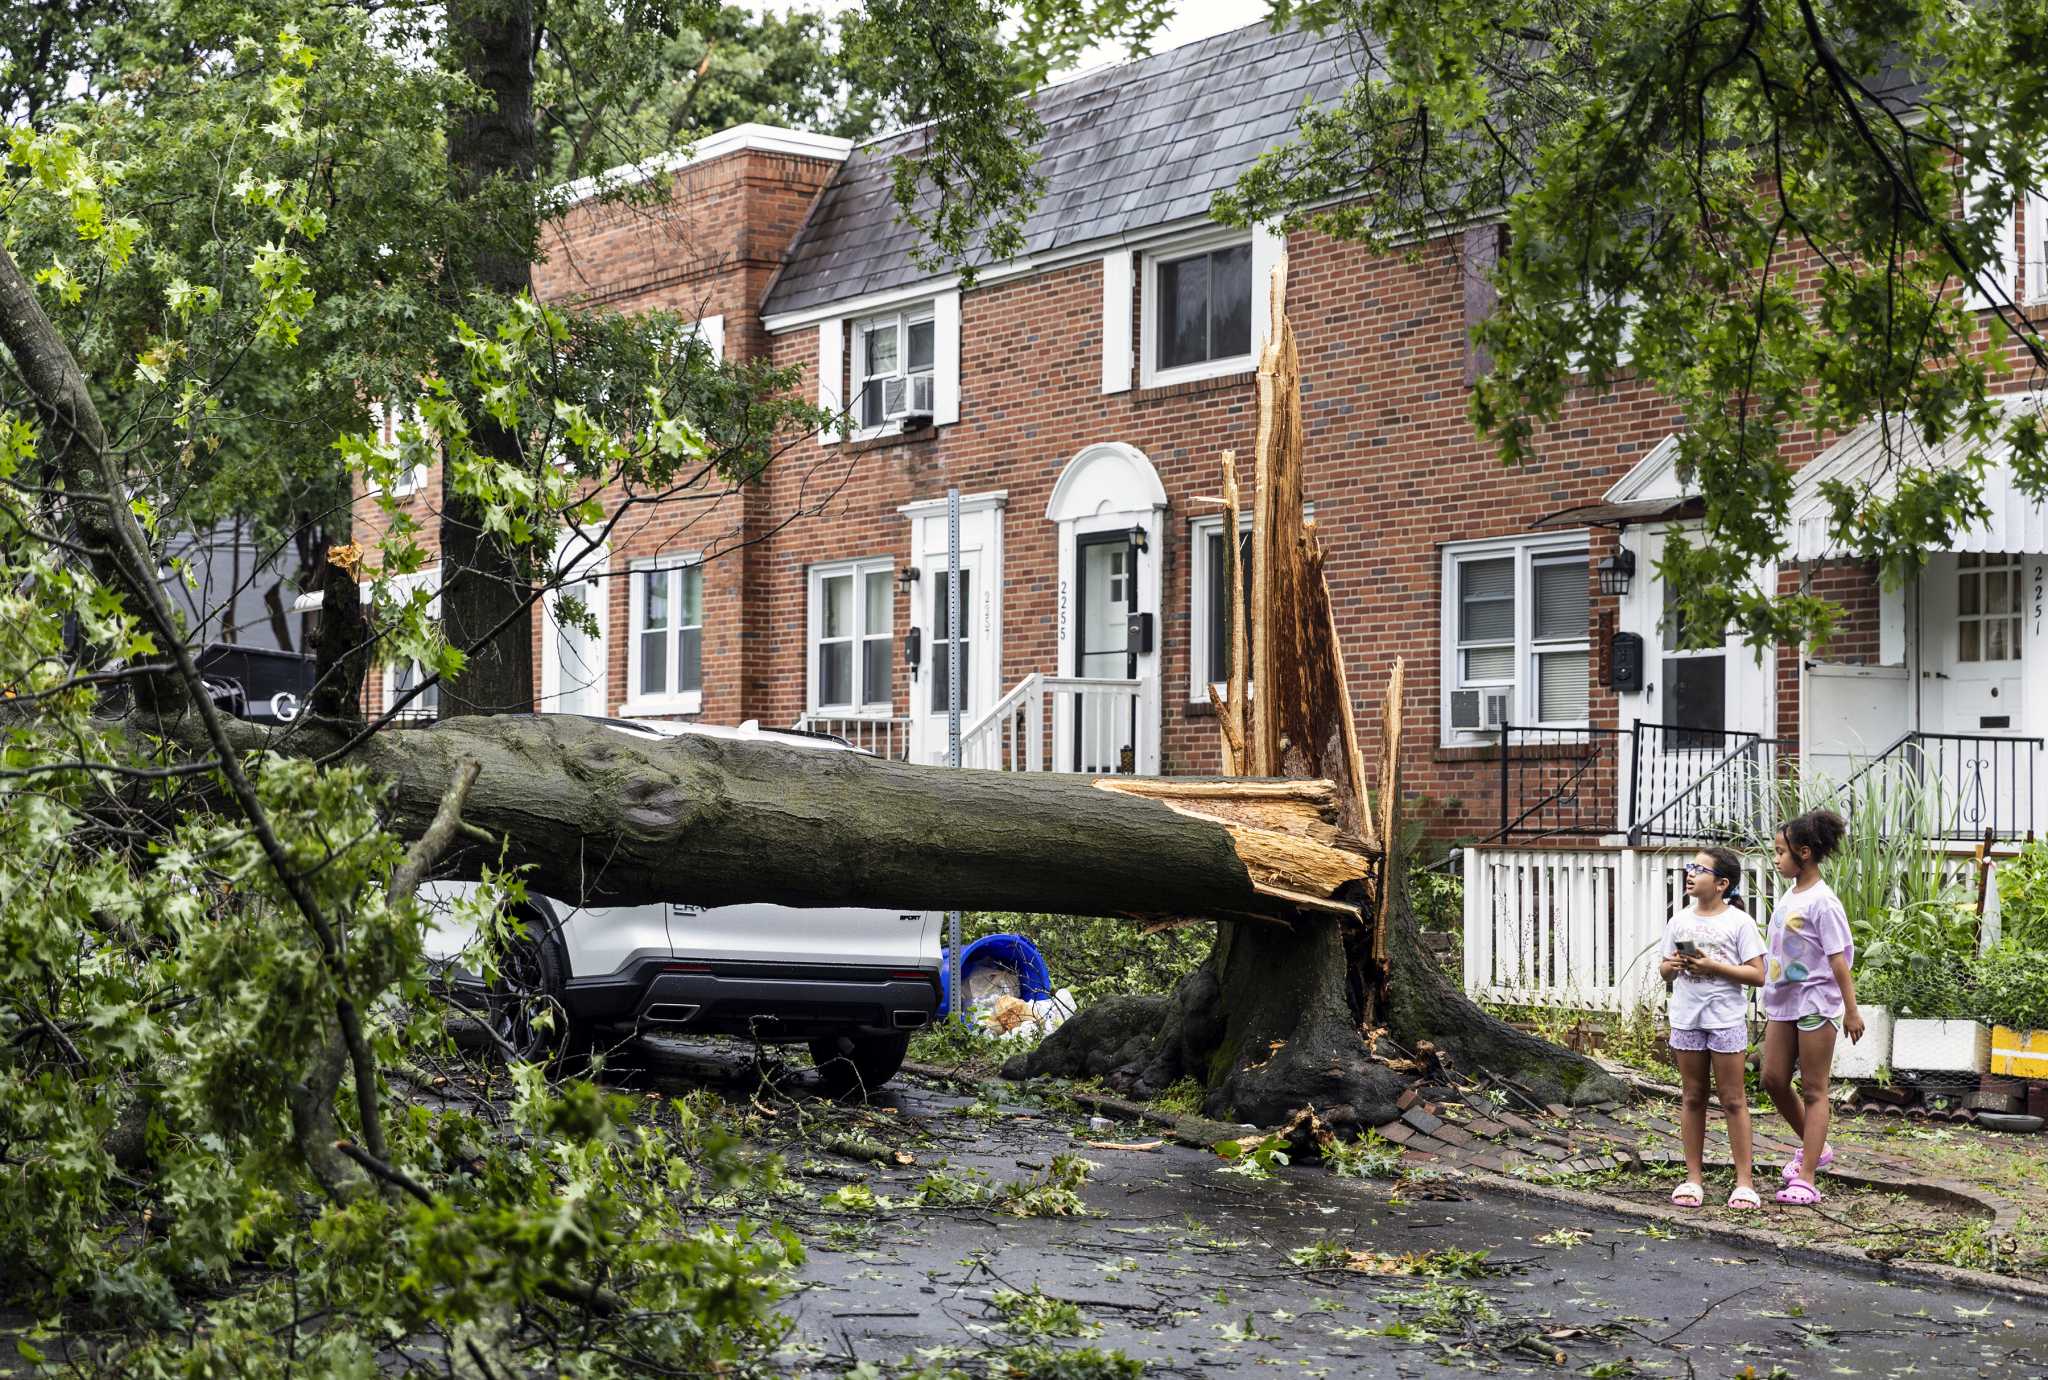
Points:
[(669, 1013), (911, 1020)]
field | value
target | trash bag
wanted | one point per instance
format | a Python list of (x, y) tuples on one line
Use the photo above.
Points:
[(1010, 1017)]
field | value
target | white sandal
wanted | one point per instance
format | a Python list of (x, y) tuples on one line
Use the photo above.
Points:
[(1688, 1195), (1744, 1200)]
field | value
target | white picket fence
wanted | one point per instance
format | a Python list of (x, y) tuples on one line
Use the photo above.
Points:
[(1576, 927)]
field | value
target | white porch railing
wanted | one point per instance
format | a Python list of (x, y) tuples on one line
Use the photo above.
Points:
[(1068, 723), (885, 737), (1576, 927)]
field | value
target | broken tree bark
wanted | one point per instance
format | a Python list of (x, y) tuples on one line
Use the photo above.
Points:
[(1274, 1020)]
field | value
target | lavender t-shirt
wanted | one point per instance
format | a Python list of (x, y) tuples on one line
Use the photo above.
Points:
[(1807, 929)]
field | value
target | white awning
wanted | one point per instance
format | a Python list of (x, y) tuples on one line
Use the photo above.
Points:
[(1863, 460)]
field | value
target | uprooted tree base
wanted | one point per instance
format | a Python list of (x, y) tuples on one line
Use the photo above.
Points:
[(1267, 1026)]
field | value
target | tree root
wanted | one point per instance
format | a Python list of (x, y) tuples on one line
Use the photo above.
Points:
[(1267, 1027)]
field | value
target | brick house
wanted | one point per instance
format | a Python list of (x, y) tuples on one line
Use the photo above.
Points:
[(1078, 398)]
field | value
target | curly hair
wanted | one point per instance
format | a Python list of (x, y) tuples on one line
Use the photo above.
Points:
[(1817, 831)]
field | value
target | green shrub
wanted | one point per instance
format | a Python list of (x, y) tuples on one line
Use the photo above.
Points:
[(2012, 986), (1437, 899), (1097, 957), (2023, 897), (1916, 961)]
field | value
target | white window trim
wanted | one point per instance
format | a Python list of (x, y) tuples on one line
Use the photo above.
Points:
[(1631, 302), (1150, 375), (814, 631), (857, 376), (1983, 184), (597, 561), (1525, 551), (1199, 530), (638, 706), (402, 587), (710, 330), (2035, 284), (384, 418)]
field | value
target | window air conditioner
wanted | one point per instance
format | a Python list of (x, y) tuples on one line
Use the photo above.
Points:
[(1478, 711)]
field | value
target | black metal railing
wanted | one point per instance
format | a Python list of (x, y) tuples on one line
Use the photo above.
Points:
[(1710, 784), (1964, 787), (1559, 780)]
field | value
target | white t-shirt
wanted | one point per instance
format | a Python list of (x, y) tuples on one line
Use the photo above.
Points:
[(1711, 1003)]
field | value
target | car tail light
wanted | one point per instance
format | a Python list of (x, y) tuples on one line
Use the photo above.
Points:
[(686, 968)]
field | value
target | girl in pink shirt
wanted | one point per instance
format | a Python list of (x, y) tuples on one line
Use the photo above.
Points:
[(1807, 992)]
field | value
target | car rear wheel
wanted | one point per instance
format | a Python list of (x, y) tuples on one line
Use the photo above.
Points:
[(858, 1065), (525, 1006)]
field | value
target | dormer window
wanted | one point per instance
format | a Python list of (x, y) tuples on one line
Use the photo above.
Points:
[(893, 365)]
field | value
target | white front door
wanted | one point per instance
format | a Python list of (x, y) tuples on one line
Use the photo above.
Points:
[(1698, 704), (1975, 609), (575, 671), (1110, 511), (1104, 724), (978, 643)]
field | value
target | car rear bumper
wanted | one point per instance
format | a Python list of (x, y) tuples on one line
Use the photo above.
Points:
[(765, 1001)]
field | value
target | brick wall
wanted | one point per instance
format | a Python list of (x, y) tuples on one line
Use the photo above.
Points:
[(1394, 469), (709, 248)]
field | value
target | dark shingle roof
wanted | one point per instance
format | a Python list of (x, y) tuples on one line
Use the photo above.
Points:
[(1129, 147)]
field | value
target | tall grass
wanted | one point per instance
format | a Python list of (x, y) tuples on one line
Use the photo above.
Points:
[(1911, 908)]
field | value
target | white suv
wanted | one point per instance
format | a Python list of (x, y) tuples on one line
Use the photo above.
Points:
[(853, 983)]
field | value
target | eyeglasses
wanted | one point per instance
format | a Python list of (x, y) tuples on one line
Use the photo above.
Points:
[(1694, 869)]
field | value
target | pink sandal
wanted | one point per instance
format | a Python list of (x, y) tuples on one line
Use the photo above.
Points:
[(1799, 1193), (1796, 1170)]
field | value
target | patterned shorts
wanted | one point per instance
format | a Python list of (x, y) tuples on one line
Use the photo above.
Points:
[(1729, 1039)]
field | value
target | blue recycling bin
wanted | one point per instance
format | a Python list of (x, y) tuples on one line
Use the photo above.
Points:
[(1012, 951)]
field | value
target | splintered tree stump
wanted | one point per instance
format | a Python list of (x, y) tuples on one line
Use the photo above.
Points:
[(1273, 1021)]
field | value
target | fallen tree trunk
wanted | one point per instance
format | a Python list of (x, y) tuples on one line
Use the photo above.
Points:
[(600, 815)]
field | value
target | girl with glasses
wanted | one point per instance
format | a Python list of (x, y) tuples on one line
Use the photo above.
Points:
[(1711, 953)]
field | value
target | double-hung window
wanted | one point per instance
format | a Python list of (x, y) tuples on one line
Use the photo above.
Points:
[(390, 421), (664, 674), (401, 675), (1517, 649), (1197, 320), (852, 610), (893, 365), (1209, 604)]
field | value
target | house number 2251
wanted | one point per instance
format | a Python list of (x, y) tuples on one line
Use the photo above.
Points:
[(2040, 583)]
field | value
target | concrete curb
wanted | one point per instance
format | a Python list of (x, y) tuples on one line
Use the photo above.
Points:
[(2002, 1213), (1819, 1253)]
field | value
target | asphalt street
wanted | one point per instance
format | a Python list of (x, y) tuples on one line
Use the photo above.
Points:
[(1195, 1271)]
